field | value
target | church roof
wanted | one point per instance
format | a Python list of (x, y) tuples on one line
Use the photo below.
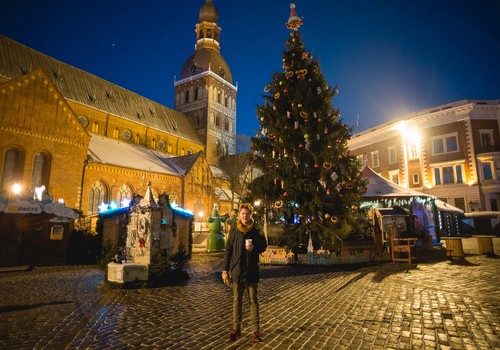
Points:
[(89, 90), (206, 59), (109, 151)]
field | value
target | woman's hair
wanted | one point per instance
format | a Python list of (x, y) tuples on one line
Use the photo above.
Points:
[(246, 206)]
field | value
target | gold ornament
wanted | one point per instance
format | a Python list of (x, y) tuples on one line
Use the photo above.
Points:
[(278, 204)]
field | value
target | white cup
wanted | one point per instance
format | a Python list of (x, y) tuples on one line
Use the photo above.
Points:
[(248, 243)]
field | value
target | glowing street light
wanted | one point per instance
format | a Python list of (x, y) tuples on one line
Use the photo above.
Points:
[(17, 188)]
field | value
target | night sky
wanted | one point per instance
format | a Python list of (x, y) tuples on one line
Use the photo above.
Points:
[(387, 57)]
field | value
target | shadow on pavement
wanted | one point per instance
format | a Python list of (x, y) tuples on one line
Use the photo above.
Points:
[(392, 269), (462, 262), (10, 308), (277, 271)]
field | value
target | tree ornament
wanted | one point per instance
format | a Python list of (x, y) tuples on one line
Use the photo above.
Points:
[(327, 165), (301, 73), (276, 95), (306, 136), (327, 216), (335, 219), (334, 176), (282, 183), (296, 125), (289, 74), (285, 194), (303, 114), (318, 90), (288, 114)]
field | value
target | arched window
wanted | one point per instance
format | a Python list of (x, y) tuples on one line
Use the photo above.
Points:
[(186, 97), (219, 97), (217, 120), (41, 171), (153, 143), (226, 125), (95, 127), (12, 167), (169, 148), (195, 94), (98, 194), (137, 139), (124, 192), (116, 133)]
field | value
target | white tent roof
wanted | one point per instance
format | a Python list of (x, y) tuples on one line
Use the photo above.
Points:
[(443, 206), (379, 187)]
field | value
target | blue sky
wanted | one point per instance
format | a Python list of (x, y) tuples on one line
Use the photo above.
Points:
[(387, 57)]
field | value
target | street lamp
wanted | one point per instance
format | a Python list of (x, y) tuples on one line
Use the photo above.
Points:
[(17, 188)]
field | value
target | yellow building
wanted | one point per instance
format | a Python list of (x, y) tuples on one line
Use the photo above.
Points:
[(90, 141)]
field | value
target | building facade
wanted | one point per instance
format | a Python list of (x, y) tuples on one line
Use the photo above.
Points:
[(205, 91), (89, 141), (450, 151)]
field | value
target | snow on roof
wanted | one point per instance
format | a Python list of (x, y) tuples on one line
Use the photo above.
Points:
[(113, 152)]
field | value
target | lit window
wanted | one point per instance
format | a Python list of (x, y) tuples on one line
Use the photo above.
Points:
[(487, 170), (394, 176), (412, 151), (375, 160), (124, 192), (445, 144), (97, 195), (450, 174), (459, 202), (486, 138), (437, 176), (12, 167), (40, 171), (416, 178), (392, 155), (448, 177)]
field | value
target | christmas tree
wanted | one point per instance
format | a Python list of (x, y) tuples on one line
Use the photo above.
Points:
[(309, 181)]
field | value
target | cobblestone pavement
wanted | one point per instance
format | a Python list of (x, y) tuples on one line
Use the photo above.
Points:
[(441, 305)]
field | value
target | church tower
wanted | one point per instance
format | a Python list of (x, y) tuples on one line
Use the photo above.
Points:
[(205, 91)]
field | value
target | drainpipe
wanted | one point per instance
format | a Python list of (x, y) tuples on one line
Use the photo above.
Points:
[(85, 163)]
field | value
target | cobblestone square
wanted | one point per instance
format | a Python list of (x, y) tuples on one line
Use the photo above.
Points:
[(451, 304)]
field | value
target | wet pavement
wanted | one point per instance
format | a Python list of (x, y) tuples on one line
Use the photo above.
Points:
[(449, 304)]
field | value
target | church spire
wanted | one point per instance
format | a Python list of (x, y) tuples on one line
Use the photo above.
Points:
[(207, 30)]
